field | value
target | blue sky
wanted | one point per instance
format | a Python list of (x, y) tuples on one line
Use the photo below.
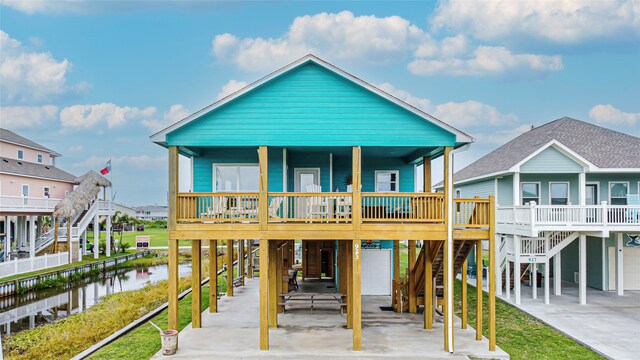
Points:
[(93, 79)]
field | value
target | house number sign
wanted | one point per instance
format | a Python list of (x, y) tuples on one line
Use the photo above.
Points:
[(357, 251)]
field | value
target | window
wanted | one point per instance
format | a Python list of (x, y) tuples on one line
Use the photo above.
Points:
[(618, 193), (47, 192), (591, 194), (458, 193), (530, 192), (236, 178), (387, 180), (559, 193), (25, 190), (20, 154), (40, 158)]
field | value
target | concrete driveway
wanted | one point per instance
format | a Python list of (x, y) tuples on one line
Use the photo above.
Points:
[(608, 324)]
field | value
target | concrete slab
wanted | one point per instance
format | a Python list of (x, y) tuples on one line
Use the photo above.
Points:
[(233, 333), (608, 324)]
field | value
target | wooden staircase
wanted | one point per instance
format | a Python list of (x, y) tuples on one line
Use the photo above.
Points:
[(524, 274)]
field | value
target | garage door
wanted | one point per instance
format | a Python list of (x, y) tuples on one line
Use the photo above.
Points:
[(376, 271), (631, 263)]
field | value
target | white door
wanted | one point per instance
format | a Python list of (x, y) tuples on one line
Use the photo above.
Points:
[(376, 271), (306, 177), (631, 265)]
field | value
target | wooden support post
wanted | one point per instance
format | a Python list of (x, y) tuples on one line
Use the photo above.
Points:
[(357, 296), (56, 229), (173, 243), (349, 262), (428, 286), (479, 290), (273, 293), (229, 267), (426, 170), (213, 276), (264, 294), (279, 250), (492, 272), (250, 259), (196, 277), (69, 247), (463, 318), (447, 326), (263, 201), (241, 261), (413, 294)]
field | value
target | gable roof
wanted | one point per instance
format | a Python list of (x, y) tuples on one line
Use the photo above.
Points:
[(591, 145), (11, 137), (160, 137), (25, 168)]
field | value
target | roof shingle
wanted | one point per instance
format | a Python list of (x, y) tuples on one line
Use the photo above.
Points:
[(18, 167), (10, 136)]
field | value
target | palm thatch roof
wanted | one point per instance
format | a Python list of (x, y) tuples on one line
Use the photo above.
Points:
[(85, 193)]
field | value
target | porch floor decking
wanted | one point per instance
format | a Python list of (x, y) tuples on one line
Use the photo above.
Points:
[(233, 333), (608, 324)]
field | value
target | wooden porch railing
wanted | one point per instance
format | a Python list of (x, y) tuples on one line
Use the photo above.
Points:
[(317, 207)]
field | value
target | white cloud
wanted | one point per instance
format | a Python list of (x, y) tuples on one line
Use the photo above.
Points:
[(76, 149), (175, 113), (337, 36), (458, 114), (493, 139), (565, 22), (86, 116), (231, 87), (608, 114), (485, 60), (31, 77), (25, 117)]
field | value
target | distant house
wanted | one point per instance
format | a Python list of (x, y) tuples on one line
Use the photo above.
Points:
[(124, 209), (564, 181), (152, 212)]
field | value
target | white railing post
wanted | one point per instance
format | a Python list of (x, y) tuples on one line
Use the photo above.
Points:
[(605, 215), (532, 215)]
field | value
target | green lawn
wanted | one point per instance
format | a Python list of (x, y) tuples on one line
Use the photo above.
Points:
[(87, 259), (159, 237)]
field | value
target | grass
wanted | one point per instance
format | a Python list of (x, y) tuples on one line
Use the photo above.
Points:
[(88, 259), (521, 335), (159, 237)]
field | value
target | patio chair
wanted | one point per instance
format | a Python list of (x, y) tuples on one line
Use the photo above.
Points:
[(219, 208), (316, 207), (274, 206)]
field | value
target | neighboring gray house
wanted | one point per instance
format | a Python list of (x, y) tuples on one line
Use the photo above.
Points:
[(129, 210), (568, 180), (152, 212)]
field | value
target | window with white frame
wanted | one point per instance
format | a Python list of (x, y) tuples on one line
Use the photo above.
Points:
[(236, 178), (387, 180), (20, 154), (39, 158), (530, 191), (618, 193), (46, 192), (559, 193), (25, 190)]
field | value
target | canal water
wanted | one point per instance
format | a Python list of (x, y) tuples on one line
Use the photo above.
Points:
[(28, 310)]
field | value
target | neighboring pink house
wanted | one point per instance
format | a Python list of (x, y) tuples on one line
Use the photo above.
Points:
[(29, 181)]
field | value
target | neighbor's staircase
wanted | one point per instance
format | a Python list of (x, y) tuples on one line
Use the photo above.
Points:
[(544, 248), (79, 224)]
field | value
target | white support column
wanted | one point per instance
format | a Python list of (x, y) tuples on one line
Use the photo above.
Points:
[(583, 270), (84, 243), (497, 265), (534, 280), (619, 265), (508, 279), (516, 189), (546, 282), (96, 236), (39, 228), (582, 188), (108, 236), (516, 269), (32, 237), (557, 274), (7, 236)]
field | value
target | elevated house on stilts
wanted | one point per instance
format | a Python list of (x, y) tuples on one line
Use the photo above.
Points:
[(313, 153)]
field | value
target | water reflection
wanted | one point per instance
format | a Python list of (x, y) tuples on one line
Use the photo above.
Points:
[(25, 311)]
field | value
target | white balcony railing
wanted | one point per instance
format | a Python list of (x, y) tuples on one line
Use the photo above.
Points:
[(546, 217), (23, 203)]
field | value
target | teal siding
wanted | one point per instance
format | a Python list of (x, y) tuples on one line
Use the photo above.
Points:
[(551, 161), (594, 262), (570, 264), (203, 164), (484, 189), (604, 179), (310, 106), (545, 179), (505, 190)]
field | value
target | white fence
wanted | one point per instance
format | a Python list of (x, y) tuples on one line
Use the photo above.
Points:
[(22, 203), (569, 215), (19, 266)]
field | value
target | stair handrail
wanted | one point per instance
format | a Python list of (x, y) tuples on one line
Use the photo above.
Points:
[(88, 216)]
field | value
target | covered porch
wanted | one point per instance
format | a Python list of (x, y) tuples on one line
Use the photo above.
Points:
[(233, 333)]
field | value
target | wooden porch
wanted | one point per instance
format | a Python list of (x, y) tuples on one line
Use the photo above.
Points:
[(276, 218)]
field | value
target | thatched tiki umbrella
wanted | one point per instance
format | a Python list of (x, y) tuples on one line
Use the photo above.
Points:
[(76, 201)]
